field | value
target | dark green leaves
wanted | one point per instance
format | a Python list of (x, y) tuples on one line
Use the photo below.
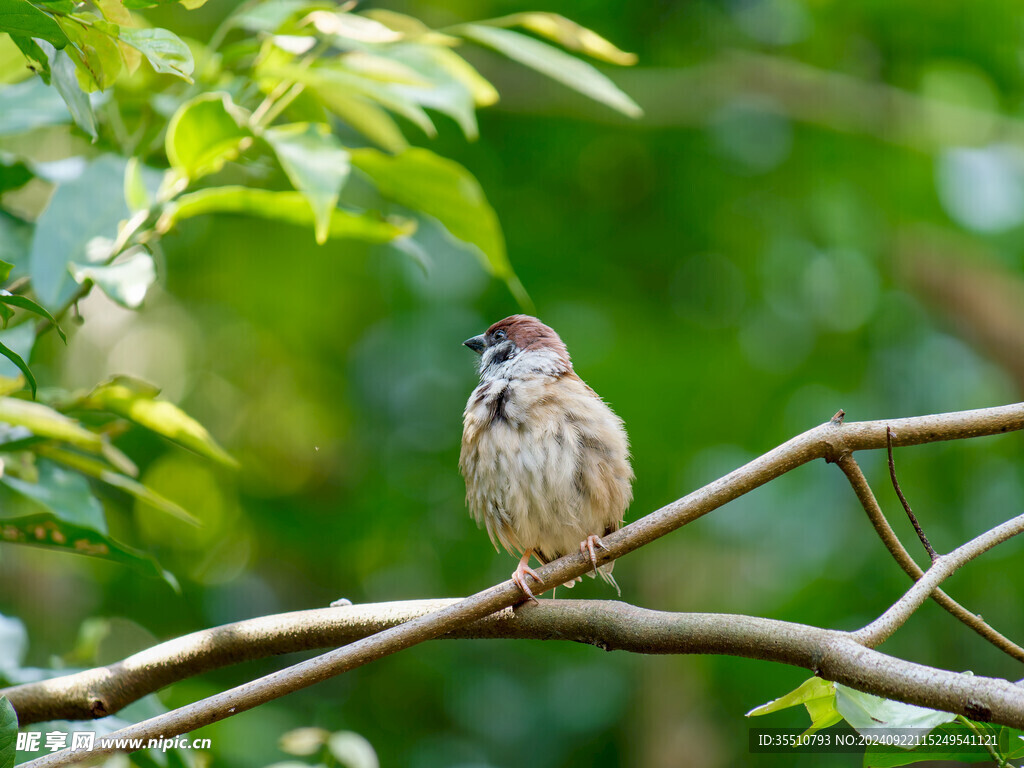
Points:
[(10, 299), (64, 495), (20, 18)]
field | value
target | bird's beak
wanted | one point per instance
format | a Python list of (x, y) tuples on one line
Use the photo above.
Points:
[(477, 344)]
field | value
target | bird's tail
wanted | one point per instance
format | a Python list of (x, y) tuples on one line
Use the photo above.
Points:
[(606, 573)]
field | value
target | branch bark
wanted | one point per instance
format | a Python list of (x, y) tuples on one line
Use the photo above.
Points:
[(860, 485), (609, 625), (830, 441)]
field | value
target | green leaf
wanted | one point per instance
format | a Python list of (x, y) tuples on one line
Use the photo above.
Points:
[(21, 18), (453, 90), (135, 402), (363, 116), (818, 697), (95, 53), (20, 340), (5, 270), (135, 192), (885, 756), (163, 49), (29, 105), (442, 188), (316, 164), (269, 16), (8, 733), (46, 532), (66, 495), (44, 421), (100, 471), (352, 750), (292, 207), (205, 133), (17, 359), (62, 70), (566, 33), (865, 711), (89, 206), (556, 64), (6, 297), (332, 78), (126, 281)]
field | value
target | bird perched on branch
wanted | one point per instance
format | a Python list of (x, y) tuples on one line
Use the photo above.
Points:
[(546, 461)]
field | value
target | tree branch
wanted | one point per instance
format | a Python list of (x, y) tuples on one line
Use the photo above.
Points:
[(944, 566), (609, 625), (932, 554), (852, 470), (830, 440)]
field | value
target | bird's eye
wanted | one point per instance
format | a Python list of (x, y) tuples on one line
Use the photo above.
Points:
[(500, 335)]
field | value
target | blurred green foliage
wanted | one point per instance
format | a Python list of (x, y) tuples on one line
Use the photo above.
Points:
[(821, 208)]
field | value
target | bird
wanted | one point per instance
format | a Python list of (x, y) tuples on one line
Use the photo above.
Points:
[(545, 459)]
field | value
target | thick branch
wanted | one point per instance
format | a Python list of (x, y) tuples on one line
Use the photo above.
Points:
[(944, 566), (609, 625), (830, 440), (867, 499)]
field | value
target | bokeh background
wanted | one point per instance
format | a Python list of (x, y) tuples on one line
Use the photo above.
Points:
[(821, 209)]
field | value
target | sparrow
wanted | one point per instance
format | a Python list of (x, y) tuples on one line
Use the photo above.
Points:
[(546, 461)]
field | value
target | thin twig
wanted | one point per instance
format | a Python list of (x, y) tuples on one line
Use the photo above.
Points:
[(606, 624), (903, 499), (867, 499), (828, 441), (945, 566)]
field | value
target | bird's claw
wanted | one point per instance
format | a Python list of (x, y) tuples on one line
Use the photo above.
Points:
[(519, 577), (587, 547)]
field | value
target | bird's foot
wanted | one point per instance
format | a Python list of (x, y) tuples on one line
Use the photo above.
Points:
[(587, 547), (521, 572)]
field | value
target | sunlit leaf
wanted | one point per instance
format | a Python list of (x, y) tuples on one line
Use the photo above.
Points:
[(454, 85), (10, 299), (121, 396), (363, 116), (44, 421), (352, 750), (424, 181), (163, 49), (115, 12), (21, 18), (566, 33), (95, 53), (66, 495), (126, 281), (100, 471), (555, 63), (316, 164), (292, 207), (8, 733), (205, 133), (818, 697), (410, 27), (45, 531), (135, 192), (269, 16), (866, 711), (353, 27), (62, 69)]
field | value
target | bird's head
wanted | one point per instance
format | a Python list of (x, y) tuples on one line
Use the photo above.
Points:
[(520, 344)]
